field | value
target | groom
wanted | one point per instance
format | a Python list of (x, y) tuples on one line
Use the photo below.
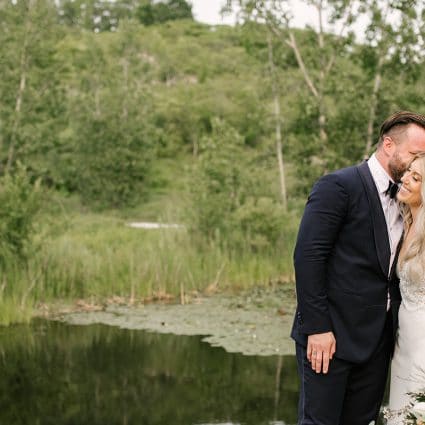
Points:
[(347, 288)]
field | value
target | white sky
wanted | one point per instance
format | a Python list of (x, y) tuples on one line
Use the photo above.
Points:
[(208, 11)]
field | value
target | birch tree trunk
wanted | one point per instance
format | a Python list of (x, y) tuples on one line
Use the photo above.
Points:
[(327, 61), (278, 130), (373, 106), (125, 66), (322, 77), (23, 65), (382, 49), (97, 109)]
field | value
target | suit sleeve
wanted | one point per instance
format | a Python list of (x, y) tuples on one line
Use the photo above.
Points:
[(323, 218)]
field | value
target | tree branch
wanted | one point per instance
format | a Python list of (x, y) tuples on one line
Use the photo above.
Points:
[(293, 44)]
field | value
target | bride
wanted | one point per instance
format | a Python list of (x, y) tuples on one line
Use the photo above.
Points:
[(408, 364)]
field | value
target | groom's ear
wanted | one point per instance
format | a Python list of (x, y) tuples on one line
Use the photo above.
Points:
[(388, 145)]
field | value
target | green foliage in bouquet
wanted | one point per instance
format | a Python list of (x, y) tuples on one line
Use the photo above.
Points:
[(416, 412), (413, 413)]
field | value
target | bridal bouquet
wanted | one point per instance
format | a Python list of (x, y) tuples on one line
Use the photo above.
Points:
[(414, 414)]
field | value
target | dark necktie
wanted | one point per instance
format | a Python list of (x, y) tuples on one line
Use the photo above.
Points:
[(392, 189)]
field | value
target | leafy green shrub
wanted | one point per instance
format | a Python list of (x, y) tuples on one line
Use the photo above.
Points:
[(20, 200), (229, 203), (113, 162), (219, 181), (149, 12), (262, 221)]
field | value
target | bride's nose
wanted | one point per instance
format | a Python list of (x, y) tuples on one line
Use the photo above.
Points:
[(404, 178)]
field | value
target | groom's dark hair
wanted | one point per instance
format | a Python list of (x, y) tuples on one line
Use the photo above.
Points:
[(398, 120)]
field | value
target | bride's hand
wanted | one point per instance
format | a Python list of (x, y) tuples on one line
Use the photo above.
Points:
[(320, 350)]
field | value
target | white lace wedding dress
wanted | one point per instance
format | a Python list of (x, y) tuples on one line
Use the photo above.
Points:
[(408, 364)]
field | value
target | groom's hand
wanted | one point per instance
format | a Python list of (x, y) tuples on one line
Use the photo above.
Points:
[(320, 350)]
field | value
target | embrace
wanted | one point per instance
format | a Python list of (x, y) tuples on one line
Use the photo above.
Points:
[(360, 279)]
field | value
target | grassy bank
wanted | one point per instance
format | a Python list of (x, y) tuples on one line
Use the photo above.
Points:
[(98, 256)]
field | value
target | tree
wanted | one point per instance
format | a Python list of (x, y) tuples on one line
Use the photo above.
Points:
[(277, 110), (394, 44), (315, 67), (110, 139), (30, 92), (94, 15), (229, 204), (151, 12), (20, 201)]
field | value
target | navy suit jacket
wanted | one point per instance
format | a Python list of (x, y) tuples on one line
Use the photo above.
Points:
[(342, 257)]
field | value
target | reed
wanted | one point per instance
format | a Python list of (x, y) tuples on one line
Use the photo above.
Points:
[(98, 257)]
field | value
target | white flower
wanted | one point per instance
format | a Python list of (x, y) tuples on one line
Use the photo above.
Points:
[(418, 410)]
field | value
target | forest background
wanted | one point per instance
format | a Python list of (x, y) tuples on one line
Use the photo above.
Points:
[(123, 111)]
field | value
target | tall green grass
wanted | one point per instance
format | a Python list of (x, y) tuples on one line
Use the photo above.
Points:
[(97, 257)]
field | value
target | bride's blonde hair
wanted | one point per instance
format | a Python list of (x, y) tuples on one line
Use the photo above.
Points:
[(414, 254)]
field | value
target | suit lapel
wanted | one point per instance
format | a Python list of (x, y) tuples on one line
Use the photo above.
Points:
[(380, 231), (394, 265)]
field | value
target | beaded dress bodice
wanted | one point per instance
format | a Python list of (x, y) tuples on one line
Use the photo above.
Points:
[(412, 293)]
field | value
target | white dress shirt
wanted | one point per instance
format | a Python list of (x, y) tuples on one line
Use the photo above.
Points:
[(389, 206)]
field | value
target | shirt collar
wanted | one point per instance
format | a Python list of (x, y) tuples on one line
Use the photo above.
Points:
[(380, 176)]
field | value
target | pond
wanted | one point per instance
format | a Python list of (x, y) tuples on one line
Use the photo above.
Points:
[(57, 373)]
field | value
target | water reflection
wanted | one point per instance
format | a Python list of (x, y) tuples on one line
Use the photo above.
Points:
[(58, 374), (228, 423)]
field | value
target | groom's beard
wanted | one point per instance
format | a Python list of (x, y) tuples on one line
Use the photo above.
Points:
[(397, 167)]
